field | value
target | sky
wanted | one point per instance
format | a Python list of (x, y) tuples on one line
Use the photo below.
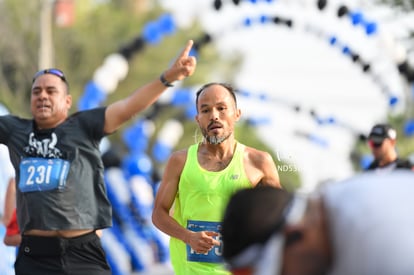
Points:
[(299, 67)]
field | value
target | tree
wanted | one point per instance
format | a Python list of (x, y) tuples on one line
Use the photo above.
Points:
[(406, 5), (18, 52)]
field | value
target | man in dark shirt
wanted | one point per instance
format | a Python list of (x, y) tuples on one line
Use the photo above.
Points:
[(60, 191), (382, 141)]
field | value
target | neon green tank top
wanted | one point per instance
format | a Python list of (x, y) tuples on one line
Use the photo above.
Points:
[(202, 197)]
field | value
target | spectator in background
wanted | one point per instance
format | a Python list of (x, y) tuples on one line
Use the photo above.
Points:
[(7, 212), (200, 180), (359, 226), (382, 141), (12, 237), (7, 202)]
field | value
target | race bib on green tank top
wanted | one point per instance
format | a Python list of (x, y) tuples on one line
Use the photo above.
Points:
[(215, 254), (40, 174)]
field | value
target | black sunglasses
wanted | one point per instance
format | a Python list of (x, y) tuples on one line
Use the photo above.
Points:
[(374, 144), (53, 71)]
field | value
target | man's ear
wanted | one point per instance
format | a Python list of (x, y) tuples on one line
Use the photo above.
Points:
[(196, 119), (69, 101), (238, 114)]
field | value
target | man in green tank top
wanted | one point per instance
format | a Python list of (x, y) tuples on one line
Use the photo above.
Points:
[(198, 182)]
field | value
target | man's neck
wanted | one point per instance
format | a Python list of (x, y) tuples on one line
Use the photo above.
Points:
[(391, 158), (222, 150)]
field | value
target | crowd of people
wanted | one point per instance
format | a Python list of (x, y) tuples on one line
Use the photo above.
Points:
[(221, 202)]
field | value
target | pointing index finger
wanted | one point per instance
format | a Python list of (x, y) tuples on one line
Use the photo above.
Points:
[(187, 49)]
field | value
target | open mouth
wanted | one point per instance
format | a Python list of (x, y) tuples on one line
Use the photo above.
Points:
[(43, 107), (215, 126)]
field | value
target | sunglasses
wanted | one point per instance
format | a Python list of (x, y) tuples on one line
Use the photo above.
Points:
[(53, 71), (374, 144)]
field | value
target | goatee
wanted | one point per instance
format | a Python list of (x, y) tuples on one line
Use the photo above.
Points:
[(215, 140)]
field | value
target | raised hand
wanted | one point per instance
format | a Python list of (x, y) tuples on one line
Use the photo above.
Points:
[(183, 66)]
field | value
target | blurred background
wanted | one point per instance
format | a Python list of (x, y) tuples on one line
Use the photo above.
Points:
[(313, 77)]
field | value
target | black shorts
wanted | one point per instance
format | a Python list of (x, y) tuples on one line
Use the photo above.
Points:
[(81, 255)]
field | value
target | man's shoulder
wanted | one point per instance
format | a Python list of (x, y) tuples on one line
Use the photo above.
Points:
[(372, 165), (179, 155), (180, 152), (91, 119), (14, 118), (399, 163), (404, 163), (12, 123), (254, 153), (88, 112)]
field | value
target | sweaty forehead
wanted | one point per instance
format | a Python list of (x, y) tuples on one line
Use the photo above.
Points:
[(48, 80)]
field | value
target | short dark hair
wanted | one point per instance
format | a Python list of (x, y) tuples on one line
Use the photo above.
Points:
[(252, 216), (227, 86), (54, 71)]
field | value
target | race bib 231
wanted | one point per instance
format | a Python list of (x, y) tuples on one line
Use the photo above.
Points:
[(39, 174)]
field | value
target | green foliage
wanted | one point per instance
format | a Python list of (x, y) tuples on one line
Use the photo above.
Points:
[(405, 5), (98, 31), (18, 52)]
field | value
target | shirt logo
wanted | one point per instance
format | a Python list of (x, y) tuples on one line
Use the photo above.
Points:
[(235, 177), (44, 148)]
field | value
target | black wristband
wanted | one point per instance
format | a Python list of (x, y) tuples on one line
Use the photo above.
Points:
[(165, 82)]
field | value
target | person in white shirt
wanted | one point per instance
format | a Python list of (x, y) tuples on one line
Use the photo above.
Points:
[(359, 226)]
